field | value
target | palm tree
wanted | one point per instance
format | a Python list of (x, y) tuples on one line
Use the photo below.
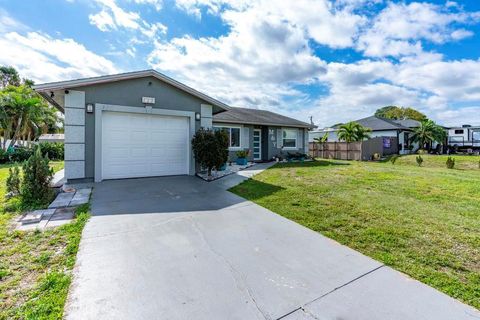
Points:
[(352, 132), (22, 111), (428, 132)]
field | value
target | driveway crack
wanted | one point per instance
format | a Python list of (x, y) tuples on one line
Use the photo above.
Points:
[(236, 275)]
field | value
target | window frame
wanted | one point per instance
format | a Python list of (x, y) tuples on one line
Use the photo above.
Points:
[(229, 129), (296, 138)]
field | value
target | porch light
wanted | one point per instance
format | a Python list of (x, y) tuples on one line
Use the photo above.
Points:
[(89, 107), (197, 116)]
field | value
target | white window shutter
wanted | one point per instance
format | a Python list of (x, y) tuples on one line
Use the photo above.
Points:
[(245, 137), (299, 138), (279, 138)]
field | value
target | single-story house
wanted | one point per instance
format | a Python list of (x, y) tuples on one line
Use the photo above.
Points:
[(399, 129), (140, 124), (52, 137)]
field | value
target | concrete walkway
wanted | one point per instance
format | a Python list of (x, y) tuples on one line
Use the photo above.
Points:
[(182, 248)]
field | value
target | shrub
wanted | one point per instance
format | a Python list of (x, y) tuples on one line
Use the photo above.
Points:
[(242, 154), (35, 190), (422, 151), (450, 163), (419, 160), (54, 150), (3, 156), (394, 158), (19, 154), (210, 148), (13, 181)]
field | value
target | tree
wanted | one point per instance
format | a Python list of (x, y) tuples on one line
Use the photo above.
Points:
[(9, 77), (37, 175), (323, 139), (428, 132), (400, 113), (210, 148), (353, 131), (24, 114)]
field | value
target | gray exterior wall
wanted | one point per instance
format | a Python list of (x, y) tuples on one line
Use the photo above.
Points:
[(270, 146), (130, 93)]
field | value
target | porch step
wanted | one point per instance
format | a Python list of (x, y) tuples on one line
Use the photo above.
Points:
[(36, 216)]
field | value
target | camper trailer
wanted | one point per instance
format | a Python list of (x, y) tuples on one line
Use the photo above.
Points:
[(464, 137)]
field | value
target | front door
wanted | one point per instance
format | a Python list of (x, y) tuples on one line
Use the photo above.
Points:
[(257, 144)]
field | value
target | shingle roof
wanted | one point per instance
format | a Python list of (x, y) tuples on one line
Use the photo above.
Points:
[(260, 117), (409, 123), (378, 124)]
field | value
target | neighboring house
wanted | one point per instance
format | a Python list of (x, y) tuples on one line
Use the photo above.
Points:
[(464, 137), (399, 129), (51, 137), (140, 124)]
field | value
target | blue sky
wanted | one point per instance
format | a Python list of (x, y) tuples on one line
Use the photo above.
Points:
[(333, 60)]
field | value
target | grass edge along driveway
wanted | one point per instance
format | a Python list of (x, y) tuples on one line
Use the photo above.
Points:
[(423, 221), (36, 266)]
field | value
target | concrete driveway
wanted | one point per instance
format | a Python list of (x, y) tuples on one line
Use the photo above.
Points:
[(181, 248)]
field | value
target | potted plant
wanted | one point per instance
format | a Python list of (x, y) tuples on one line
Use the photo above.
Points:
[(242, 157)]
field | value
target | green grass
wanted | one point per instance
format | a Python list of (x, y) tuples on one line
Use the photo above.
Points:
[(35, 266), (432, 161), (423, 221)]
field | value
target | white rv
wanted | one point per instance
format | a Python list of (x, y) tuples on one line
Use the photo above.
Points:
[(464, 137)]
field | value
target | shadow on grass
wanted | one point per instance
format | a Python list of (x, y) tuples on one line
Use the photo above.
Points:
[(253, 189), (311, 164)]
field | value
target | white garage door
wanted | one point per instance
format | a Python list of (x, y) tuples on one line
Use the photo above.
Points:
[(141, 145)]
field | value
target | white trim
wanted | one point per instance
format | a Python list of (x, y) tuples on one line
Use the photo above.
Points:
[(259, 144), (100, 108), (296, 139), (230, 136)]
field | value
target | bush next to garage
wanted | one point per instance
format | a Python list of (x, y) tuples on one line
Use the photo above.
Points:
[(54, 150), (210, 148)]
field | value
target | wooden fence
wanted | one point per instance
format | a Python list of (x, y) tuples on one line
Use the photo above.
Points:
[(362, 150), (336, 150)]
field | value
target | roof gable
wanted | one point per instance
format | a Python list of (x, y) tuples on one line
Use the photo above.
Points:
[(46, 87)]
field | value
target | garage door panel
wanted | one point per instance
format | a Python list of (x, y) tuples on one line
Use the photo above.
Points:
[(140, 145)]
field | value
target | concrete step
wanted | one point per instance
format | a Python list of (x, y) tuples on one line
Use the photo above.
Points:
[(62, 200), (36, 216)]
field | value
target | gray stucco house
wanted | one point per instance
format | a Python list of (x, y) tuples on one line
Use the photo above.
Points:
[(140, 124)]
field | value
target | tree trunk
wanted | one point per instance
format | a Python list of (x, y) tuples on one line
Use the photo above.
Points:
[(17, 132)]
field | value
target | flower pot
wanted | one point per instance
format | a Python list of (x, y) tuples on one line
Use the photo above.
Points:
[(241, 161)]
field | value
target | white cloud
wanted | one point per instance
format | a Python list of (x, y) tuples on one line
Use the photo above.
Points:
[(157, 4), (267, 54), (43, 58), (399, 28), (113, 17), (103, 21), (251, 66)]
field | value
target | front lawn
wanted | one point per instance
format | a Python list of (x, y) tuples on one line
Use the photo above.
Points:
[(422, 221), (35, 267), (434, 161)]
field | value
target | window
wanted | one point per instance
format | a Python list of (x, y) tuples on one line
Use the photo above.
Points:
[(476, 136), (459, 131), (289, 138), (233, 135)]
